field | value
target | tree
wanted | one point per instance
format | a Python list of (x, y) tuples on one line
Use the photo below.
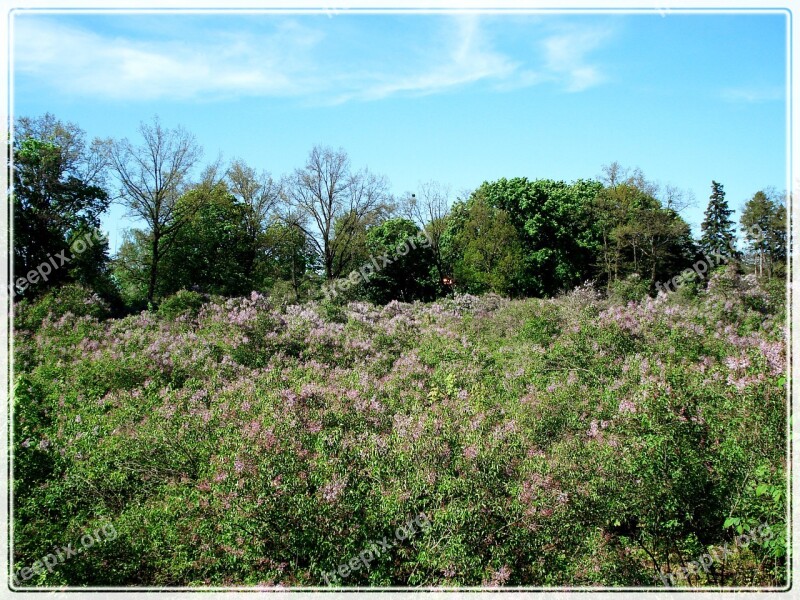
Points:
[(289, 259), (554, 224), (638, 234), (332, 205), (718, 233), (763, 223), (131, 268), (212, 252), (411, 275), (58, 198), (152, 177), (484, 248), (259, 193), (429, 210), (79, 159)]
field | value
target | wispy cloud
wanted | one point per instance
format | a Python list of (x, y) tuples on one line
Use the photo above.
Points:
[(753, 94), (464, 57), (81, 62), (567, 57), (291, 58)]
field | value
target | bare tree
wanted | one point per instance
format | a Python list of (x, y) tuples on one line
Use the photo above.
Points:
[(259, 192), (670, 196), (429, 209), (332, 204), (152, 178), (677, 199)]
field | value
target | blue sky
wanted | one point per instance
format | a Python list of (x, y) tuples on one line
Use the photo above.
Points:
[(459, 98)]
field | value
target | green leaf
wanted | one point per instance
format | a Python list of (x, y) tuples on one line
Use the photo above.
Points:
[(730, 521)]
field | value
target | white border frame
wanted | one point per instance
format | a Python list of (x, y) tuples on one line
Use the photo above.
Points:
[(663, 7)]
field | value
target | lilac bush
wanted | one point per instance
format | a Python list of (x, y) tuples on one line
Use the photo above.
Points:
[(571, 441)]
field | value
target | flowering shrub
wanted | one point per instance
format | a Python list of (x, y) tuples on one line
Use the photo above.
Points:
[(73, 299), (571, 441)]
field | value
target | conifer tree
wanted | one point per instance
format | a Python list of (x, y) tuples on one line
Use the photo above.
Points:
[(718, 228)]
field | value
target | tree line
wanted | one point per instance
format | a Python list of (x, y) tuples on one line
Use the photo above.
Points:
[(227, 229)]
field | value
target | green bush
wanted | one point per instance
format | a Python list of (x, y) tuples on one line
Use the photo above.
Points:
[(564, 442), (184, 303), (55, 304), (631, 289)]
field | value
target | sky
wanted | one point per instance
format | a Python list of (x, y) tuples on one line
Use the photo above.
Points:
[(459, 98)]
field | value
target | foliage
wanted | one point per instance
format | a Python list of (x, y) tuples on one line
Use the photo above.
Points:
[(764, 227), (632, 288), (483, 249), (57, 197), (555, 228), (183, 303), (212, 252), (717, 227), (569, 441), (69, 300), (411, 275), (638, 235)]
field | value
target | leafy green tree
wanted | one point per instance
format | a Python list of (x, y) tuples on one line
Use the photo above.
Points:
[(58, 198), (642, 237), (350, 239), (261, 198), (212, 252), (554, 224), (718, 233), (638, 235), (131, 268), (287, 257), (411, 273), (484, 248), (763, 223)]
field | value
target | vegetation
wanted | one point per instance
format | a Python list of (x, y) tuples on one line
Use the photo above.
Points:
[(569, 441), (272, 374)]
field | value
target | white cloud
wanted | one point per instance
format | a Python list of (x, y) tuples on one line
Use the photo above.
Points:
[(566, 57), (465, 58), (290, 60), (81, 62)]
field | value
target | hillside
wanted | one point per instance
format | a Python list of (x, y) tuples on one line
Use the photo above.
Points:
[(570, 441)]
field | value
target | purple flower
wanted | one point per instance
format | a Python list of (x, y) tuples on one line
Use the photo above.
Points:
[(333, 489), (500, 577)]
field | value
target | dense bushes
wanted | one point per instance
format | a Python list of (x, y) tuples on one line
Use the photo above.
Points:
[(70, 299), (572, 441)]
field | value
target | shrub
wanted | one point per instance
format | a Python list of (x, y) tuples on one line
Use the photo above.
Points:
[(631, 289), (184, 303), (68, 299), (562, 442)]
